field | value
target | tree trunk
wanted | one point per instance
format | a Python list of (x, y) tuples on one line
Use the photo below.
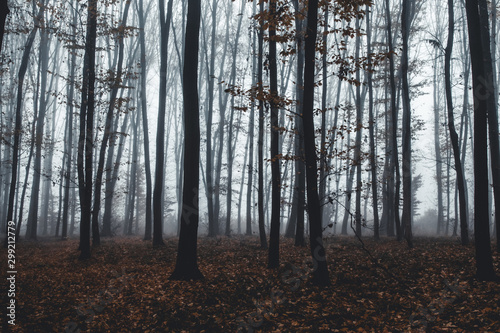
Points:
[(86, 138), (160, 132), (394, 163), (186, 267), (18, 118), (274, 234), (484, 260), (213, 226), (260, 142), (145, 125), (320, 273), (373, 154), (407, 178), (491, 97), (451, 126)]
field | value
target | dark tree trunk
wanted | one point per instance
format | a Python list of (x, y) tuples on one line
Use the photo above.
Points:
[(4, 11), (69, 142), (160, 133), (18, 119), (96, 240), (85, 142), (373, 155), (260, 143), (145, 125), (393, 217), (407, 178), (320, 272), (491, 97), (274, 234), (451, 126), (186, 267), (213, 226), (484, 260)]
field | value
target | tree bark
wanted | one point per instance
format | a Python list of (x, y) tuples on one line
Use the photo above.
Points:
[(85, 142), (160, 132), (186, 267), (320, 273), (371, 120), (451, 126), (484, 260), (407, 177), (274, 234), (145, 125), (260, 142)]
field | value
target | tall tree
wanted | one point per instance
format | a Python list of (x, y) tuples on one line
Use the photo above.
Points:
[(186, 267), (320, 273), (160, 132), (371, 120), (393, 214), (116, 84), (4, 11), (86, 137), (491, 100), (213, 226), (407, 177), (260, 142), (145, 125), (451, 126), (484, 260), (274, 233)]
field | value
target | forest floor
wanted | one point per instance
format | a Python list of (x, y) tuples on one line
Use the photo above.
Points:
[(382, 287)]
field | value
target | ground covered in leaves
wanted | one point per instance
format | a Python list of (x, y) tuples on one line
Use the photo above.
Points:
[(381, 287)]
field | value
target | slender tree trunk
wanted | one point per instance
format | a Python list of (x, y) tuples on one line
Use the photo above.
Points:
[(275, 151), (260, 142), (160, 133), (407, 177), (4, 11), (491, 97), (359, 130), (18, 118), (86, 137), (451, 126), (484, 260), (213, 226), (186, 267), (69, 141), (320, 273), (145, 125), (96, 240), (373, 154), (33, 217), (394, 163), (251, 128)]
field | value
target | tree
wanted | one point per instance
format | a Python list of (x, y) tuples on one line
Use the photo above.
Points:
[(320, 273), (160, 132), (491, 100), (484, 260), (260, 142), (86, 137), (274, 234), (147, 163), (451, 126), (4, 11), (186, 267), (373, 157), (407, 186), (116, 84)]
